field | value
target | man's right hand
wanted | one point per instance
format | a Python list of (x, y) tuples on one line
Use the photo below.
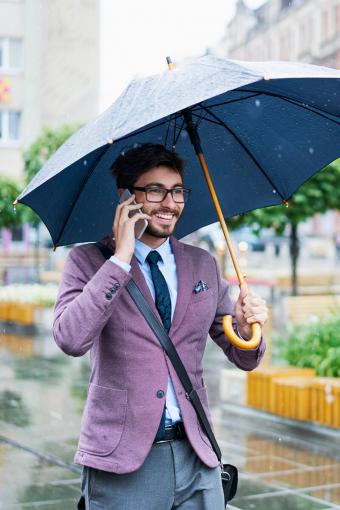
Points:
[(124, 228)]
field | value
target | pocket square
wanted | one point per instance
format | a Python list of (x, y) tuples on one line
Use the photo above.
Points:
[(200, 287)]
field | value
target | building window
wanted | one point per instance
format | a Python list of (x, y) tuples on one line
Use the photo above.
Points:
[(11, 54), (10, 126), (14, 125)]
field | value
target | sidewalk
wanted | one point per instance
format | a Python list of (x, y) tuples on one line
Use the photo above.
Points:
[(42, 393)]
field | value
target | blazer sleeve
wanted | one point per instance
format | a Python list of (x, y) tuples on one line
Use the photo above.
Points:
[(246, 359), (85, 301)]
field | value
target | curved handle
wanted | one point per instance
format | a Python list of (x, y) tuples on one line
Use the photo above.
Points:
[(235, 340)]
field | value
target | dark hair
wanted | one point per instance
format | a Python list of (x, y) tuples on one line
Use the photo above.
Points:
[(133, 163)]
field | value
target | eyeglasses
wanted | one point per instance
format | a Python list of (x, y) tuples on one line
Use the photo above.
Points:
[(155, 194)]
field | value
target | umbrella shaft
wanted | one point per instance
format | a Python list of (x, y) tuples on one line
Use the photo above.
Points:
[(196, 142), (220, 217)]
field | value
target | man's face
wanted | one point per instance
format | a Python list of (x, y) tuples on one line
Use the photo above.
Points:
[(165, 214)]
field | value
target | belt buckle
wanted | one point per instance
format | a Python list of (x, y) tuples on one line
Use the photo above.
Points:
[(165, 440)]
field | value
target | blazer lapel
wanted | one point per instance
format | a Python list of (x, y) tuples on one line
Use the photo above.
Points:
[(185, 278)]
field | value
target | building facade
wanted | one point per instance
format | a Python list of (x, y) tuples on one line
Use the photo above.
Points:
[(295, 30), (49, 71)]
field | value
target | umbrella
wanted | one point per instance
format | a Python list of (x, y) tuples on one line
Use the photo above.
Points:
[(263, 128)]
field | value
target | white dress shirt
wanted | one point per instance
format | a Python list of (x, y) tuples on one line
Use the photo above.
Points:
[(167, 266)]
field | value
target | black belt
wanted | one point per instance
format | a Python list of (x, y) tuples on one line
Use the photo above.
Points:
[(173, 432)]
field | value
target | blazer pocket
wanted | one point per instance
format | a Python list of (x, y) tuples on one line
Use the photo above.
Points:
[(103, 420), (201, 296)]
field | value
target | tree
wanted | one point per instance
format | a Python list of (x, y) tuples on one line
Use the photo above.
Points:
[(44, 147), (318, 195), (10, 217)]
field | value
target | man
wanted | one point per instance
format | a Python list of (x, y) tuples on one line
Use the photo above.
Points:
[(141, 443)]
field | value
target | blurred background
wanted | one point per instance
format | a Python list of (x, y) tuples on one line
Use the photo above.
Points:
[(61, 64)]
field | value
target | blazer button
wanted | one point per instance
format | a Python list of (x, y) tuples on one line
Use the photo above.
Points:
[(115, 288), (108, 295), (160, 393)]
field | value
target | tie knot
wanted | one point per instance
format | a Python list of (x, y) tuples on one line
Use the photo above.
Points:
[(153, 257)]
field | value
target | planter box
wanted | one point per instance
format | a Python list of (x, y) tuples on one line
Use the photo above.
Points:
[(27, 314)]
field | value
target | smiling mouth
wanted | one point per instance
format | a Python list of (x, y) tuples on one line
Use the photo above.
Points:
[(165, 216)]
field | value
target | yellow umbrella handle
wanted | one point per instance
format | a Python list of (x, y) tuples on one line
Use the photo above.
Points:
[(236, 340), (254, 341)]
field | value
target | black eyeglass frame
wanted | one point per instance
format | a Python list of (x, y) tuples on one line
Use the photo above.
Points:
[(172, 190)]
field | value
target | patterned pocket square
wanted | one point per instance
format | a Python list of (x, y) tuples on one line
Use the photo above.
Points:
[(200, 287)]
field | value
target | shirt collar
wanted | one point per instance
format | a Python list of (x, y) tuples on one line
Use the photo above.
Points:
[(142, 250)]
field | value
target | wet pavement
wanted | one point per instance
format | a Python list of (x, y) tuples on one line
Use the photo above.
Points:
[(42, 393)]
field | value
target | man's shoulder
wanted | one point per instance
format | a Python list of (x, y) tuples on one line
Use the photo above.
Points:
[(82, 249), (89, 250)]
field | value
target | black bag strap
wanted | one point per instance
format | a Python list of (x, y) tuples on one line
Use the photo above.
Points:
[(170, 350)]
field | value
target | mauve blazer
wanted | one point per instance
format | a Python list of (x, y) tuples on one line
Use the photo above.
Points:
[(95, 313)]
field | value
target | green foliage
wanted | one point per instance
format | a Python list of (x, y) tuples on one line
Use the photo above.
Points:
[(9, 216), (44, 147), (319, 194), (316, 346)]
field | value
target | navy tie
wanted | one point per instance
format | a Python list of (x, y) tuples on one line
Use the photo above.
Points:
[(163, 301), (163, 304)]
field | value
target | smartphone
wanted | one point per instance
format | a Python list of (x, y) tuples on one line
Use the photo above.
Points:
[(141, 224)]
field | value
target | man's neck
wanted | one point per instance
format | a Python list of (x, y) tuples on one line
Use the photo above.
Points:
[(152, 241)]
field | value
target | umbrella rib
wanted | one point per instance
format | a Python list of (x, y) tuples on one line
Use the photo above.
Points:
[(138, 132), (178, 134), (206, 119), (174, 137), (314, 109), (167, 132), (255, 94), (245, 148)]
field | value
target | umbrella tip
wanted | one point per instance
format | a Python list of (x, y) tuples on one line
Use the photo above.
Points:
[(15, 202), (170, 63)]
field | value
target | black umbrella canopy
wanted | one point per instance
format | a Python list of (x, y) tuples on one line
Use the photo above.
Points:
[(265, 128)]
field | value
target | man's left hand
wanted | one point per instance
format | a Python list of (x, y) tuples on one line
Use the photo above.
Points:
[(249, 308)]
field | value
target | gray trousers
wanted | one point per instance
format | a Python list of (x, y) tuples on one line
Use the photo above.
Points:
[(172, 477)]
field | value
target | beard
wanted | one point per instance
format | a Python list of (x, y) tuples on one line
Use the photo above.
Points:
[(160, 232), (165, 231)]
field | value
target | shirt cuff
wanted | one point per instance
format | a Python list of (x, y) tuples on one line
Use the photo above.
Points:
[(123, 265)]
